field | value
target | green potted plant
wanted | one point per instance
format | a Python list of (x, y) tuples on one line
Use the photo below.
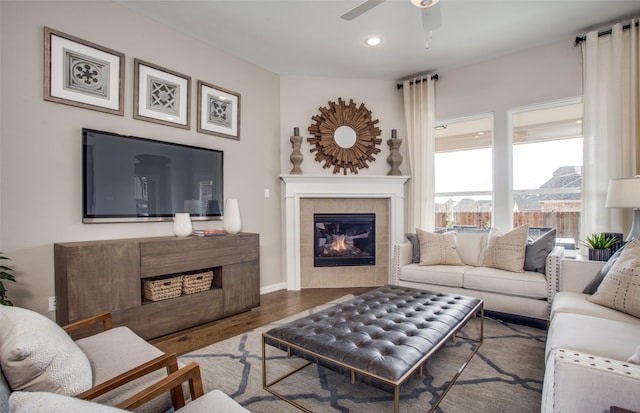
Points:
[(599, 245), (6, 273)]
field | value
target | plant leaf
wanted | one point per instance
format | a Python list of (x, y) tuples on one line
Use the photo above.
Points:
[(7, 276)]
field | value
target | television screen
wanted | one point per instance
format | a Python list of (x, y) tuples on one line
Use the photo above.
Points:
[(126, 178)]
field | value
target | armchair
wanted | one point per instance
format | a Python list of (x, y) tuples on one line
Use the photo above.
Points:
[(122, 363), (111, 366), (29, 402)]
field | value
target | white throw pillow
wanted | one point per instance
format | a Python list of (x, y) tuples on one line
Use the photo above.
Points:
[(470, 247), (438, 249), (620, 288), (38, 355), (30, 402), (507, 251)]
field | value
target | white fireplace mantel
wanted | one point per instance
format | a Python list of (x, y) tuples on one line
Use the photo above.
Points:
[(297, 187)]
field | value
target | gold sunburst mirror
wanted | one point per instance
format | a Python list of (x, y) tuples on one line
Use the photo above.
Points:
[(344, 136)]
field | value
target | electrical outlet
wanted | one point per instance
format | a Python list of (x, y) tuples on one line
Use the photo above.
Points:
[(52, 303), (266, 193)]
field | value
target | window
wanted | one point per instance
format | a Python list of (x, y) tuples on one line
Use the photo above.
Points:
[(463, 172), (547, 168)]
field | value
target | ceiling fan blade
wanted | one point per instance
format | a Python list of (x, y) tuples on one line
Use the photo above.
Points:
[(361, 9)]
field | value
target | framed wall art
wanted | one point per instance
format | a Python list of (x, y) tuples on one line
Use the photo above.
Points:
[(161, 95), (218, 111), (82, 74)]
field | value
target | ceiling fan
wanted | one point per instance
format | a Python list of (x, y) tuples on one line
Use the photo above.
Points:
[(431, 18)]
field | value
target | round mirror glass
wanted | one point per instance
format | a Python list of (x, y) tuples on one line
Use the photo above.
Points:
[(345, 136)]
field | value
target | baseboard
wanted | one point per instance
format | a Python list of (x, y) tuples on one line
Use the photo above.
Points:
[(273, 287)]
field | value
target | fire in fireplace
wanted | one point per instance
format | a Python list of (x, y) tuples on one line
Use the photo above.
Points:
[(344, 240)]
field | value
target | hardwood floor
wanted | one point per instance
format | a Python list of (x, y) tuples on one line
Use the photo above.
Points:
[(273, 306)]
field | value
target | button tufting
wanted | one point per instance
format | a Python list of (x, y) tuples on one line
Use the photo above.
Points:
[(385, 326)]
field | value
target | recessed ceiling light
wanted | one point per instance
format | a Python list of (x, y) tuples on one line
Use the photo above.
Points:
[(373, 41), (423, 4)]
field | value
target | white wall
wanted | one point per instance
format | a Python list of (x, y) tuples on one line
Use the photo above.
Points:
[(300, 100), (302, 96), (529, 77), (40, 142), (40, 188)]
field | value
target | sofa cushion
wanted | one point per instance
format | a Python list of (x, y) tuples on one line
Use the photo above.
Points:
[(592, 287), (527, 284), (30, 402), (506, 251), (213, 401), (620, 288), (449, 275), (38, 355), (536, 251), (438, 249), (577, 303), (470, 247), (593, 335), (105, 351)]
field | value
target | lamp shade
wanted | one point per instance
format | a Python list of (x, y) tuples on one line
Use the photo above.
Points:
[(623, 193)]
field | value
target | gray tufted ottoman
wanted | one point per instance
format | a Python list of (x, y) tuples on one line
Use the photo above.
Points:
[(382, 337)]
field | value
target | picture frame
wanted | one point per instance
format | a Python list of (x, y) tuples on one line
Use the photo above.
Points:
[(218, 111), (161, 95), (82, 74)]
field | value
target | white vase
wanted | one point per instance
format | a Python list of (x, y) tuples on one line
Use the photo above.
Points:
[(231, 221), (182, 224)]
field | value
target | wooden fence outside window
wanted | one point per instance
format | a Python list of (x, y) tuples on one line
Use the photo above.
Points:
[(567, 224)]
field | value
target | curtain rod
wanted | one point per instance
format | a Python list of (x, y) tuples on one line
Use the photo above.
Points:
[(400, 86), (580, 39)]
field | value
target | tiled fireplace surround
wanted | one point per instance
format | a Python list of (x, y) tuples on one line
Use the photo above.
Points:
[(309, 194), (330, 277)]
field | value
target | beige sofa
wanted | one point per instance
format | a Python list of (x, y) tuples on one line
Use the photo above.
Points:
[(592, 351), (525, 294)]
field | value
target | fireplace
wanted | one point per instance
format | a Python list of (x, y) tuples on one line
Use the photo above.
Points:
[(306, 195), (344, 239)]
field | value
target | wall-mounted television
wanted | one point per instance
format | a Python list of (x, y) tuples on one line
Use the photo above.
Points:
[(129, 179)]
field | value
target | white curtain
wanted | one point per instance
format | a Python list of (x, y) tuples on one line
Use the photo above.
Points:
[(611, 78), (419, 113)]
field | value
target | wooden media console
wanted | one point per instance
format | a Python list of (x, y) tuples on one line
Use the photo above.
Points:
[(96, 276)]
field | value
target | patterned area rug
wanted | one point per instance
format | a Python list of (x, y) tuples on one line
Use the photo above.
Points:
[(504, 376)]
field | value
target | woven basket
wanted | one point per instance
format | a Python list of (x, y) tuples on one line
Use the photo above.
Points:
[(195, 283), (162, 289)]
